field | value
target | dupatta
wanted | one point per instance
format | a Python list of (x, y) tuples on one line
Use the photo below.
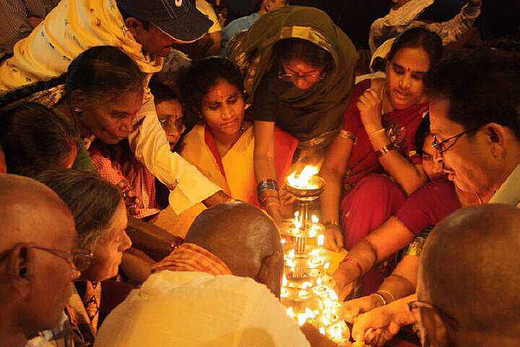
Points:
[(252, 51)]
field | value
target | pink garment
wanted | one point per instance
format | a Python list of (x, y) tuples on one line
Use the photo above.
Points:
[(372, 202)]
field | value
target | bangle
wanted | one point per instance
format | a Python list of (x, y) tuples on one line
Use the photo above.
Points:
[(380, 297), (331, 224), (385, 149), (268, 184), (392, 297), (375, 133), (355, 262)]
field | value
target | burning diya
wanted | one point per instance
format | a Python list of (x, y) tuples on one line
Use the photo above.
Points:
[(307, 290)]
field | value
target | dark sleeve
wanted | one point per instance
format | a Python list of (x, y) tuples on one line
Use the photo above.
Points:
[(266, 99), (428, 205)]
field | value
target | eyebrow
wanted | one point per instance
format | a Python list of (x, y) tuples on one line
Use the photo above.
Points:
[(310, 71), (402, 67)]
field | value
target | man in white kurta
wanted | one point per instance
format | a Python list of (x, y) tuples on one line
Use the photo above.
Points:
[(76, 25)]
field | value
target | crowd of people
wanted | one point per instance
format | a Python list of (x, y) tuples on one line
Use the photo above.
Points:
[(142, 189)]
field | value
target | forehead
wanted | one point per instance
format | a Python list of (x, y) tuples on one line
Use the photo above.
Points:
[(298, 65), (129, 102), (170, 107), (413, 59), (222, 89), (440, 123)]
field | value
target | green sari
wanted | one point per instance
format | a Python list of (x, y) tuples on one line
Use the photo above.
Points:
[(252, 51)]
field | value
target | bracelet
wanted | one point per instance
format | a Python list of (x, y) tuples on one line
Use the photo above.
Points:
[(331, 224), (392, 297), (355, 262), (380, 297), (268, 184), (375, 133), (385, 149)]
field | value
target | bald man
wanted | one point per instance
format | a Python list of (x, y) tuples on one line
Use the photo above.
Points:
[(469, 279), (219, 288), (37, 236)]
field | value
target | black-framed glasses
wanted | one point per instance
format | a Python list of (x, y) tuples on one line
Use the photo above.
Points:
[(445, 145), (416, 306)]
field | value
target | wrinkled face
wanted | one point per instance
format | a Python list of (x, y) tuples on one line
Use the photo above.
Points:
[(431, 167), (111, 121), (468, 161), (155, 41), (271, 5), (169, 113), (405, 77), (51, 275), (223, 109), (109, 247), (300, 74)]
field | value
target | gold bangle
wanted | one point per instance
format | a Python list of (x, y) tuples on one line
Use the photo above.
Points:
[(392, 297), (380, 297), (375, 133), (385, 149)]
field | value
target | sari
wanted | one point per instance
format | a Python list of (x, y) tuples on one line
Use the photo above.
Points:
[(252, 51)]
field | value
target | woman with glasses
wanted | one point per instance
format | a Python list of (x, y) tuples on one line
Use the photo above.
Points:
[(100, 216), (373, 164), (221, 144), (299, 76)]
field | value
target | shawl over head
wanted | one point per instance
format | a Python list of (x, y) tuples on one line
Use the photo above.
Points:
[(252, 51)]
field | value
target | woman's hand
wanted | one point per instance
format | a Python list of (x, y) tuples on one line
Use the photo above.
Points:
[(343, 287), (353, 308), (333, 237), (369, 105), (381, 324)]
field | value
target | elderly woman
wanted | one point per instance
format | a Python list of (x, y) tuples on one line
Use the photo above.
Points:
[(221, 144), (300, 75), (101, 220)]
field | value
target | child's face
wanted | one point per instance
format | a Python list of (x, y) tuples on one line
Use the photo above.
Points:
[(169, 113), (431, 167)]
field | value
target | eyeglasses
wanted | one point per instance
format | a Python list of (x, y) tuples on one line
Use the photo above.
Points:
[(416, 306), (309, 77), (167, 122), (444, 145), (78, 258)]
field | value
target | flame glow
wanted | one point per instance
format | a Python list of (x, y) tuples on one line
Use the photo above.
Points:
[(304, 179)]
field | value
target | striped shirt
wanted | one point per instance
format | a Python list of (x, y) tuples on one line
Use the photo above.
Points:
[(15, 20)]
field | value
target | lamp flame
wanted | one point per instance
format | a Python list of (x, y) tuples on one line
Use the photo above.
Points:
[(304, 178)]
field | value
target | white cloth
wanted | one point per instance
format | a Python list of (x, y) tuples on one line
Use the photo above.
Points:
[(199, 309), (204, 7), (509, 191), (76, 25), (405, 17)]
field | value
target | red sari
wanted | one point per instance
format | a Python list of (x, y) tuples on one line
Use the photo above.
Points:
[(370, 197)]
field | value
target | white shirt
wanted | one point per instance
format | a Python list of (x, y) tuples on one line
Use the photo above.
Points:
[(71, 28), (199, 309), (509, 191)]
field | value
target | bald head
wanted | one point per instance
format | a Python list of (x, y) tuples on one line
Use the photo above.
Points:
[(470, 268), (30, 212), (244, 238)]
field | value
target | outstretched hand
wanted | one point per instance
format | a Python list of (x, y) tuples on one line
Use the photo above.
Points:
[(353, 308)]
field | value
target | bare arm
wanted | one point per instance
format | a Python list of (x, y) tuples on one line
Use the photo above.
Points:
[(376, 246), (332, 171), (264, 163), (408, 176)]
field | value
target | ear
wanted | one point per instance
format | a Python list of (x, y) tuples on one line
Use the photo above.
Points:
[(496, 136), (19, 268), (270, 273), (135, 26), (78, 100)]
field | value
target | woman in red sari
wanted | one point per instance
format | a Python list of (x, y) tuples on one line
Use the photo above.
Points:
[(373, 164)]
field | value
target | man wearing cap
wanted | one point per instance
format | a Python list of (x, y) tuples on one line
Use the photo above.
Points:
[(146, 31)]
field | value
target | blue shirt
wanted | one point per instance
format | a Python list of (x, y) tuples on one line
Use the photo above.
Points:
[(239, 24)]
